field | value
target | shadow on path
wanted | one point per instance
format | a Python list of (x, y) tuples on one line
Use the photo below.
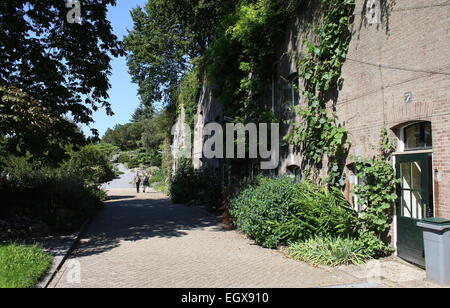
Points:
[(139, 219)]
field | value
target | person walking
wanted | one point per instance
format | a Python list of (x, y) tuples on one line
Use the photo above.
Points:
[(146, 183), (137, 181)]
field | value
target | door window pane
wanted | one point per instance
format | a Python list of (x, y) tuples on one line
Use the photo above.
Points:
[(406, 204), (416, 205), (406, 175), (416, 175)]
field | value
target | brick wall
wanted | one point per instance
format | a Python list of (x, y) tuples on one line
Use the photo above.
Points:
[(385, 61), (389, 59)]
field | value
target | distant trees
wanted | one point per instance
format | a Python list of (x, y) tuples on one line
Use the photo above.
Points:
[(126, 136), (148, 133)]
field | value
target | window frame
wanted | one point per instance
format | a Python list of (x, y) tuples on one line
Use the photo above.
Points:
[(422, 135)]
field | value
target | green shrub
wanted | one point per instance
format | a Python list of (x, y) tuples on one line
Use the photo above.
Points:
[(329, 251), (274, 211), (161, 187), (64, 203), (195, 186), (60, 199), (133, 163), (184, 182), (124, 158), (373, 245), (256, 207), (108, 149), (90, 164), (316, 210)]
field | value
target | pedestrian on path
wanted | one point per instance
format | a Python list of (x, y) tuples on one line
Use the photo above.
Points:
[(137, 181), (146, 183)]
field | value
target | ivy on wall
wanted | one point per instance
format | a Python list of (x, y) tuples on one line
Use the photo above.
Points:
[(377, 193), (241, 60), (318, 136), (189, 92)]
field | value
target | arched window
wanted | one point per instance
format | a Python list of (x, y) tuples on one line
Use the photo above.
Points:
[(418, 136)]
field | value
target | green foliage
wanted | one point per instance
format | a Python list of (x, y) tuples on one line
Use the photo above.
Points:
[(133, 162), (373, 245), (158, 179), (240, 60), (280, 210), (140, 158), (189, 93), (377, 193), (142, 113), (63, 202), (89, 163), (63, 198), (166, 36), (22, 266), (317, 135), (53, 65), (108, 149), (200, 187), (142, 141), (126, 137), (27, 126), (329, 251), (317, 211)]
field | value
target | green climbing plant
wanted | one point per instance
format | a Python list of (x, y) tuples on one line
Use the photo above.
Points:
[(318, 135), (240, 61), (376, 192), (189, 91)]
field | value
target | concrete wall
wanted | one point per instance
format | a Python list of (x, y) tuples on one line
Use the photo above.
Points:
[(208, 111)]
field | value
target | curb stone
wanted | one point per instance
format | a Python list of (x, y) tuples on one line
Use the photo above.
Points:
[(58, 261)]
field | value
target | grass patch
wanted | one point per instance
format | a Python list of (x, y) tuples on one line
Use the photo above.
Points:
[(329, 251), (162, 187), (21, 266)]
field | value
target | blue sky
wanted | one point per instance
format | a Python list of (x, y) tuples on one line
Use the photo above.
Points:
[(123, 93)]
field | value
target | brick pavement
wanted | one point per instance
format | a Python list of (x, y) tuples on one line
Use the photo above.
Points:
[(147, 241)]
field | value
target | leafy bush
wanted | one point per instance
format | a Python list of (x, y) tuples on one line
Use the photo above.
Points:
[(108, 149), (162, 186), (279, 210), (61, 199), (195, 186), (157, 176), (373, 245), (124, 158), (63, 202), (133, 162), (89, 163), (184, 183), (329, 251)]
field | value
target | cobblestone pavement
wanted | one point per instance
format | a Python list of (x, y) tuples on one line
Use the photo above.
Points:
[(146, 241)]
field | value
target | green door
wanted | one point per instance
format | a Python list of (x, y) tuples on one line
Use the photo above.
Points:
[(415, 203)]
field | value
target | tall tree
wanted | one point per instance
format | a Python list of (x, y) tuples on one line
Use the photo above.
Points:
[(63, 67), (142, 113), (166, 36)]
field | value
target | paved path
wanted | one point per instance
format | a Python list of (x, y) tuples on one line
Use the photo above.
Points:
[(147, 241), (122, 181)]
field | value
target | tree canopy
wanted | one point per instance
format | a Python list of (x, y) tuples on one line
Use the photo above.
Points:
[(56, 69), (167, 35)]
